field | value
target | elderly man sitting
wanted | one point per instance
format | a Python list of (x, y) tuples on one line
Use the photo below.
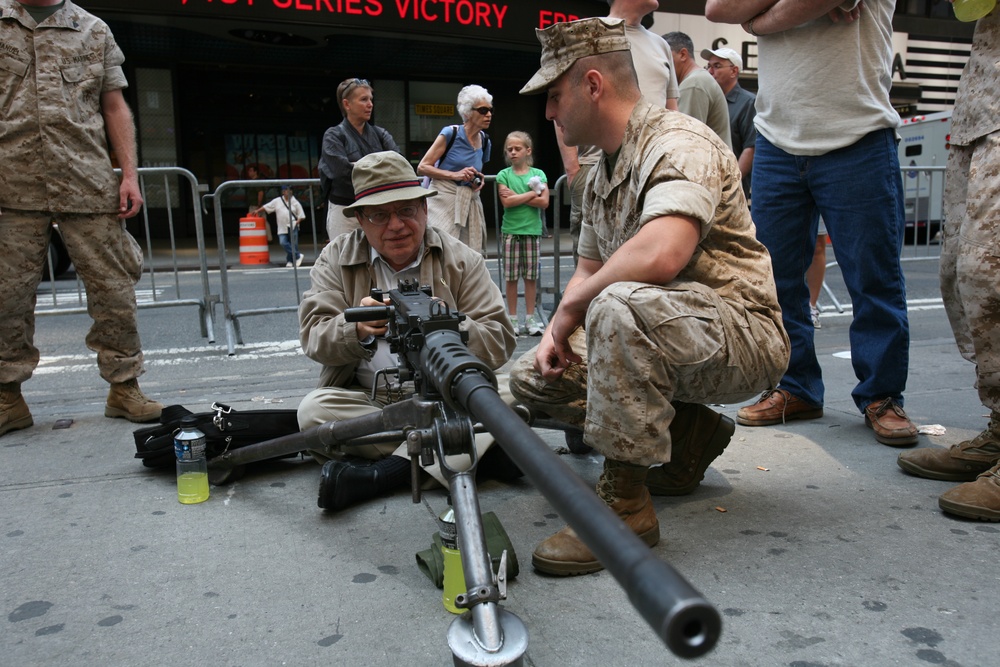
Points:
[(393, 243)]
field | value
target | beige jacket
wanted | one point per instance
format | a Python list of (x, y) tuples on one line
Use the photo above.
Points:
[(342, 276)]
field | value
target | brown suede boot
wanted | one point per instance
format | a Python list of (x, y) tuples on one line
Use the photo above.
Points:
[(698, 435), (975, 500), (14, 413), (962, 462), (622, 486), (126, 400)]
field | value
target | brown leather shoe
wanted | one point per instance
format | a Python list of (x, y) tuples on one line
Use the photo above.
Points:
[(698, 436), (777, 406), (14, 413), (622, 487), (891, 425), (961, 463), (975, 500)]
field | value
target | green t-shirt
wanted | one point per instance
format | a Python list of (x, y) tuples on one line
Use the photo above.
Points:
[(524, 220)]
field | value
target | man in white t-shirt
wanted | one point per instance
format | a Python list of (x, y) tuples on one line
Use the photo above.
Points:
[(816, 56)]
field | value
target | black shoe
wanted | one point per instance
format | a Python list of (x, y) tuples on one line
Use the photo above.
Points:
[(346, 483)]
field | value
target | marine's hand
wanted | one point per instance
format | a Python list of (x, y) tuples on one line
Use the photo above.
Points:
[(129, 198), (555, 354)]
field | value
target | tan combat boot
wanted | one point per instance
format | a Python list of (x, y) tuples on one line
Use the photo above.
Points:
[(962, 462), (698, 436), (14, 413), (975, 500), (126, 400), (623, 487)]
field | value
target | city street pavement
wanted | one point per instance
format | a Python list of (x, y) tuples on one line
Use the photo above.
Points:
[(814, 546)]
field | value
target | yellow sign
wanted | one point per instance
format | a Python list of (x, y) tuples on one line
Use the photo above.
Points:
[(434, 109)]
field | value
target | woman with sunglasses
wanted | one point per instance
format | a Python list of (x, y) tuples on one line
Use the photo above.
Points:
[(343, 145), (454, 163)]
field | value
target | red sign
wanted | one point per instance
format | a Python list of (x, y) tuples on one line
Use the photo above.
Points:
[(511, 22)]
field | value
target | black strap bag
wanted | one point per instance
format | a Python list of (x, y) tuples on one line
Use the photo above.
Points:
[(224, 429)]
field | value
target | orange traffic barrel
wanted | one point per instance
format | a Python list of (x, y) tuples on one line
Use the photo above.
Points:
[(253, 241)]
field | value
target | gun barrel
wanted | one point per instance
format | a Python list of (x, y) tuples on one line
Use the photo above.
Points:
[(677, 612)]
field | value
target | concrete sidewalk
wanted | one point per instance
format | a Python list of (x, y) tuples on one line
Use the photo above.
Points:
[(814, 546)]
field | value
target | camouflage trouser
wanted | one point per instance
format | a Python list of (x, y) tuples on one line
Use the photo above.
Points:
[(108, 261), (645, 346), (970, 259)]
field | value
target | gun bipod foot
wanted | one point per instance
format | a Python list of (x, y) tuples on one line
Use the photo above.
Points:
[(466, 651)]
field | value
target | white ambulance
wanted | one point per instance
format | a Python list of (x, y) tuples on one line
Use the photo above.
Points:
[(923, 154)]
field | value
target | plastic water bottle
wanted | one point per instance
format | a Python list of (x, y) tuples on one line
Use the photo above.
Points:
[(192, 468), (973, 10), (454, 575)]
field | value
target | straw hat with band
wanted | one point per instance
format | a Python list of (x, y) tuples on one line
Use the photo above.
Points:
[(382, 178)]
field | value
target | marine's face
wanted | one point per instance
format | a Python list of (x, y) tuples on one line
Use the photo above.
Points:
[(568, 107)]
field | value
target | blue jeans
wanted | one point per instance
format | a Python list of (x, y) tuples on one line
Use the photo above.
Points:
[(290, 242), (858, 191)]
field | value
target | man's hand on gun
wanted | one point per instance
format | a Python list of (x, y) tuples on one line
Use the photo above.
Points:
[(372, 327)]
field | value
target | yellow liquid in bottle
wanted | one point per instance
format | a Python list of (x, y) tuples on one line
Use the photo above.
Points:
[(454, 579), (973, 10), (192, 487)]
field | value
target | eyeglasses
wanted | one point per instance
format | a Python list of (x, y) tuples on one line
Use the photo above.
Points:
[(483, 110), (382, 218), (718, 65)]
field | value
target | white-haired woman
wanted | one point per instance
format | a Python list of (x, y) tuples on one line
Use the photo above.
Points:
[(454, 162), (343, 145)]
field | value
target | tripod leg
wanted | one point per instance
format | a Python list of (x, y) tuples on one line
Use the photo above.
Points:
[(486, 634)]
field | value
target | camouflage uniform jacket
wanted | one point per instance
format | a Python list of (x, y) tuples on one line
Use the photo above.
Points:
[(977, 105), (52, 135), (670, 164), (343, 275)]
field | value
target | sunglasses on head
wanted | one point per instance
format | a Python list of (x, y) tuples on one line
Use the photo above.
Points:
[(354, 83), (483, 110)]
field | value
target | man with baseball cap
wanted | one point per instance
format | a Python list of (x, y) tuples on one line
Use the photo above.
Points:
[(725, 65), (394, 243), (674, 290)]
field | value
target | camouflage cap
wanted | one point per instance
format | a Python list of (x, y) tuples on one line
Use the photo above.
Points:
[(565, 43)]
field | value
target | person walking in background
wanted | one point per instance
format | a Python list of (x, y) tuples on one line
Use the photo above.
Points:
[(844, 167), (700, 96), (724, 64), (345, 144), (454, 164), (970, 264), (524, 194), (654, 66), (55, 132), (289, 214)]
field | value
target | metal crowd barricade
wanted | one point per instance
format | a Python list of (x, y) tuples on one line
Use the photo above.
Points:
[(157, 188), (923, 206), (232, 315)]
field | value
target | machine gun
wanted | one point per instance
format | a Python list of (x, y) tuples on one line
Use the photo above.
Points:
[(452, 387)]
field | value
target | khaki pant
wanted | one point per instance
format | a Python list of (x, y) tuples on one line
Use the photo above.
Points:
[(108, 261), (645, 346), (337, 223), (337, 404)]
